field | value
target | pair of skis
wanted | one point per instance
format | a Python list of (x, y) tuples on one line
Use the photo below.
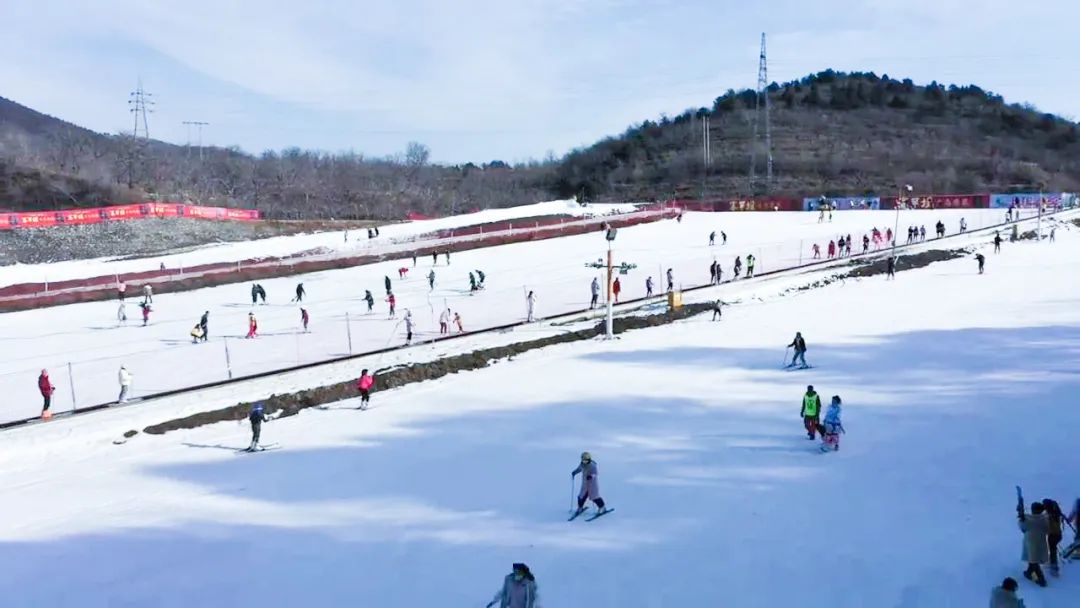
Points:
[(261, 448), (596, 515)]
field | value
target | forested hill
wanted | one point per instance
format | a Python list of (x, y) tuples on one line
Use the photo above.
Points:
[(835, 133)]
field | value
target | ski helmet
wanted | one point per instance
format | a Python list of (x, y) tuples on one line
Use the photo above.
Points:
[(585, 457), (809, 388)]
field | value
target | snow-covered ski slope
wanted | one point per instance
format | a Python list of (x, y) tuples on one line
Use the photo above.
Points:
[(161, 356), (956, 387), (282, 246)]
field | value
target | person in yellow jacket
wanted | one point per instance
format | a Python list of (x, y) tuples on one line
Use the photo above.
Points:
[(811, 412)]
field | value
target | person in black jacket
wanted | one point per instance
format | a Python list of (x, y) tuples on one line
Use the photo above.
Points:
[(204, 323), (257, 418), (799, 344)]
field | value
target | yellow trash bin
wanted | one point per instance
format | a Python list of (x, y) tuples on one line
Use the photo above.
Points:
[(674, 300)]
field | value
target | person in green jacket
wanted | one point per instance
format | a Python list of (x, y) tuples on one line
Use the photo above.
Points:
[(811, 412)]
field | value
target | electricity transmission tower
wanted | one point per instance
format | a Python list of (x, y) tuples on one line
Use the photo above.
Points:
[(141, 103), (761, 119), (200, 125)]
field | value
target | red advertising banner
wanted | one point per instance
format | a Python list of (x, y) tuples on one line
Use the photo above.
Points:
[(938, 201), (97, 215)]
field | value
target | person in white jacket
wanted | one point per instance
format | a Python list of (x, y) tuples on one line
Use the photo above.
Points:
[(125, 384)]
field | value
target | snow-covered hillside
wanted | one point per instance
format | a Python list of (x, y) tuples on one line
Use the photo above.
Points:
[(956, 387)]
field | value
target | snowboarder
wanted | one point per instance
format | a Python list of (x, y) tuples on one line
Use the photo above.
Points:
[(997, 242), (594, 288), (799, 344), (518, 590), (364, 385), (749, 265), (300, 292), (716, 312), (530, 302), (47, 389), (648, 287), (145, 313), (196, 333), (670, 280), (457, 321), (982, 261), (121, 290), (204, 323), (1036, 550), (386, 282), (712, 238), (810, 412), (393, 304), (305, 318), (408, 326), (253, 326), (254, 294), (369, 299), (590, 484), (444, 321), (1005, 595), (616, 287), (124, 377), (257, 418), (121, 312), (431, 280), (830, 431), (148, 293)]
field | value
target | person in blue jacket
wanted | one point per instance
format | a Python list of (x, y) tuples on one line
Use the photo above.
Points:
[(257, 418)]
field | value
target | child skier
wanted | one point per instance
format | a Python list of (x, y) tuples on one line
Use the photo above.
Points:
[(145, 313), (304, 318), (616, 287), (590, 484), (369, 299), (47, 389), (810, 412), (518, 590), (253, 326), (257, 418), (457, 321), (830, 431), (393, 303), (364, 385)]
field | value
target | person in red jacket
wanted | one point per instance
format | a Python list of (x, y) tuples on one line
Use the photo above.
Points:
[(616, 287), (393, 303), (305, 318), (253, 326), (364, 385), (47, 390)]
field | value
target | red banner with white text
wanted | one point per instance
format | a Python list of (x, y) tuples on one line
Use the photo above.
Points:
[(98, 215)]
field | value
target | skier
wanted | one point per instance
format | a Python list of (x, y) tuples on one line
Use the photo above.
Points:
[(616, 287), (364, 385), (940, 227), (712, 273), (304, 318), (386, 282), (890, 268), (408, 326), (47, 389), (518, 590), (402, 272), (124, 377), (257, 418), (712, 238), (719, 273), (480, 276), (670, 280), (830, 431), (447, 254), (799, 344), (393, 304), (749, 265), (997, 242), (145, 313), (472, 283), (444, 321), (1005, 595), (594, 288), (262, 293), (457, 321), (817, 251), (810, 412), (1052, 229), (982, 261), (723, 238), (196, 333), (204, 324), (431, 280), (648, 287), (369, 299), (254, 294), (148, 293), (414, 259), (121, 312), (121, 290), (922, 233), (590, 484), (530, 302), (434, 258), (865, 243), (253, 326), (716, 312), (963, 225), (832, 249), (300, 292), (1036, 551), (840, 246), (738, 266)]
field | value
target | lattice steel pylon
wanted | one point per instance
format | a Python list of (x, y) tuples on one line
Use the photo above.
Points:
[(141, 103), (761, 118)]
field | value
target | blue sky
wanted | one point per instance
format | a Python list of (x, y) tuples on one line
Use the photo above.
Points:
[(478, 80)]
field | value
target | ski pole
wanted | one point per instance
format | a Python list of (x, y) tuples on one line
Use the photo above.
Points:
[(784, 362), (571, 492)]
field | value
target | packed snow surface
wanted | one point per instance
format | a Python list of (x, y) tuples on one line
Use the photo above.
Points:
[(956, 387)]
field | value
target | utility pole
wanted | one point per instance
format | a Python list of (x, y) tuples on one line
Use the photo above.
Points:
[(609, 236), (761, 122), (141, 103), (199, 125), (706, 152)]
